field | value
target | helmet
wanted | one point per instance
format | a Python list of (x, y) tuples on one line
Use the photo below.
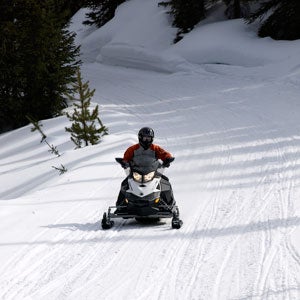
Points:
[(146, 136)]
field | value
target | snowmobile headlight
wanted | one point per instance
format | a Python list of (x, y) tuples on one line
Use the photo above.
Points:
[(137, 177), (149, 176)]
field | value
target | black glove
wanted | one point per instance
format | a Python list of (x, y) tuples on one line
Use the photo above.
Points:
[(167, 161), (166, 164), (124, 164)]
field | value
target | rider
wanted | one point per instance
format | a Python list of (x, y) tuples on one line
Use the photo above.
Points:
[(145, 147)]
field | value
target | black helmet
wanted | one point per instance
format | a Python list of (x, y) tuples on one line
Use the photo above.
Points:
[(146, 136)]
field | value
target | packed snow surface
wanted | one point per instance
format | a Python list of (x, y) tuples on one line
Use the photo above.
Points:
[(227, 105)]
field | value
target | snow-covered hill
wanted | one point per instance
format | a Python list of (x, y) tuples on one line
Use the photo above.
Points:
[(227, 105)]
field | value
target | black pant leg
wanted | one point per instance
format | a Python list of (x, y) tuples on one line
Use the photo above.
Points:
[(166, 190), (124, 187)]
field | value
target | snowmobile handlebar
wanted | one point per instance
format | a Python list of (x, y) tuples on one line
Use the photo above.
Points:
[(166, 163), (123, 163)]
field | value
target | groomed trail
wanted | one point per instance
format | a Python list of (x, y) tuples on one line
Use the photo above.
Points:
[(235, 178), (226, 104)]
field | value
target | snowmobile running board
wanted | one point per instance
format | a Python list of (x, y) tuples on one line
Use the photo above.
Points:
[(173, 213)]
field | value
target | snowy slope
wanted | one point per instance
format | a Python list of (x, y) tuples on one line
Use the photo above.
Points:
[(226, 104)]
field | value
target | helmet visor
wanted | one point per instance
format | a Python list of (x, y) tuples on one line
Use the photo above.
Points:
[(147, 139)]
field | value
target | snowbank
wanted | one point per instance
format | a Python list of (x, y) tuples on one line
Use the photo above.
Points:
[(145, 41)]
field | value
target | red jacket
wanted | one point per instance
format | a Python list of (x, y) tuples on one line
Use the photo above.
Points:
[(154, 150)]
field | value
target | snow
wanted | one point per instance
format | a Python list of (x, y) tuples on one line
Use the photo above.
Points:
[(226, 104)]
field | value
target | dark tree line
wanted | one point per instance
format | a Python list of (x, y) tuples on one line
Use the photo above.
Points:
[(38, 60), (38, 56), (279, 19), (283, 21)]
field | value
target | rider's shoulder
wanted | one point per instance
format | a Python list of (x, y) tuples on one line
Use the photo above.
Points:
[(134, 147), (155, 147)]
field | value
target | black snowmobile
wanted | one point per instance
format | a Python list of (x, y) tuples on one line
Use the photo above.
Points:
[(148, 194)]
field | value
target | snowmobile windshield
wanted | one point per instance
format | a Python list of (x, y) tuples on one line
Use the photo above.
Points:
[(144, 164)]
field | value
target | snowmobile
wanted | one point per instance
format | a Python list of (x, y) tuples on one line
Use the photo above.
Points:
[(148, 194)]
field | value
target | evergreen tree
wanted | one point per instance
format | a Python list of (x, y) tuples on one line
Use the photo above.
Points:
[(280, 19), (87, 127), (38, 60), (102, 11), (237, 8), (10, 69), (186, 14), (69, 7)]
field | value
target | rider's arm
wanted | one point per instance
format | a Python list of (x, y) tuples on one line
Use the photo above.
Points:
[(160, 152), (128, 155)]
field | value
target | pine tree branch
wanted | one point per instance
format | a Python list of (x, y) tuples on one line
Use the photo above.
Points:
[(62, 169), (53, 149), (37, 127)]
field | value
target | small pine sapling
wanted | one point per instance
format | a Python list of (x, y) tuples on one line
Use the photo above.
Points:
[(87, 127)]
